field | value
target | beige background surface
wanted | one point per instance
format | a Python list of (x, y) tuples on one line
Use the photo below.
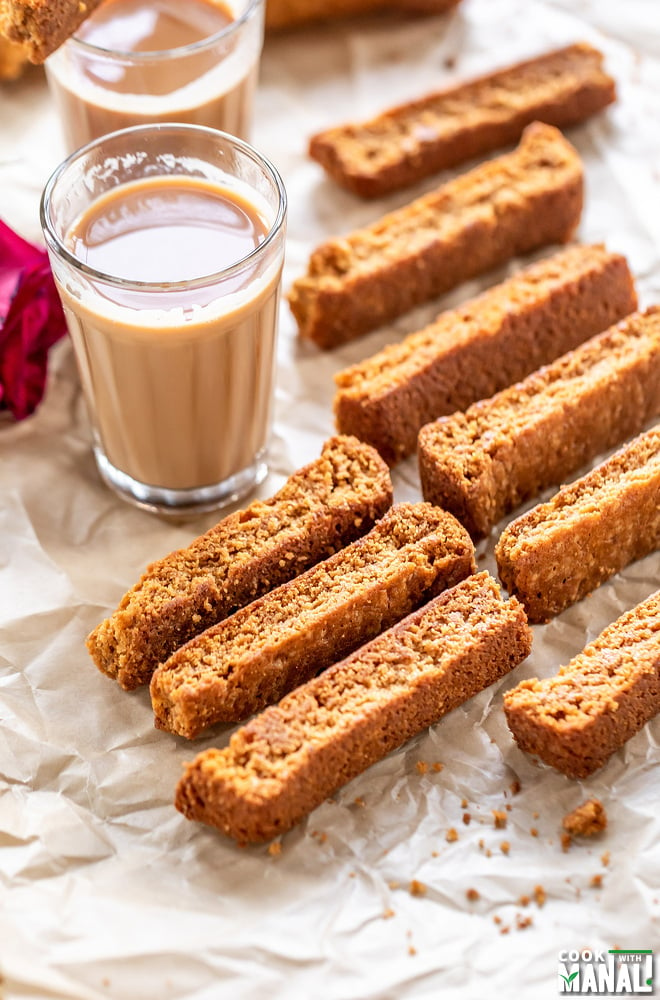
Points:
[(107, 892)]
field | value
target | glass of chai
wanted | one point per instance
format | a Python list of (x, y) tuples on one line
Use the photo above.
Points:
[(167, 245), (138, 62)]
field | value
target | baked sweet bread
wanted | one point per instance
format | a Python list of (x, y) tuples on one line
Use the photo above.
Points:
[(320, 508), (483, 463), (40, 26), (411, 141), (507, 206), (264, 650), (285, 762), (577, 719), (560, 551), (486, 344), (293, 13)]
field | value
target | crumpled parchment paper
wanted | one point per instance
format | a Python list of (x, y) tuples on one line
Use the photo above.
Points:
[(107, 892)]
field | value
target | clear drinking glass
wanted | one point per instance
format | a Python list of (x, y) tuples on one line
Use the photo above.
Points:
[(178, 376), (210, 82)]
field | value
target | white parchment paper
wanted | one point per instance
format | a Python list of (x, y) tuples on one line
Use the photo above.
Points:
[(106, 891)]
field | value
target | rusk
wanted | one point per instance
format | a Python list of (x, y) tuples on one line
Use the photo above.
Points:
[(510, 205), (486, 344), (265, 650), (40, 26), (560, 551), (483, 463), (285, 762), (576, 720), (411, 141), (319, 509), (292, 13)]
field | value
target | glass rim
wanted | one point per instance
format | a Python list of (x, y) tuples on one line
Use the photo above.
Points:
[(177, 52), (55, 243)]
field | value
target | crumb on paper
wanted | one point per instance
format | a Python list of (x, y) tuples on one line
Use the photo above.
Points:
[(515, 787), (596, 882), (535, 815), (417, 888), (522, 922), (452, 835), (539, 895), (421, 766), (524, 900), (533, 831), (586, 820), (505, 847), (481, 843), (464, 803), (393, 884), (488, 852), (500, 818), (466, 818), (505, 929), (275, 848), (388, 913), (359, 801), (472, 895), (412, 950), (566, 841), (435, 854), (508, 807), (605, 859), (497, 920), (437, 766)]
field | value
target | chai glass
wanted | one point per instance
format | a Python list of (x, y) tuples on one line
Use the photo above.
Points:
[(101, 85), (175, 339)]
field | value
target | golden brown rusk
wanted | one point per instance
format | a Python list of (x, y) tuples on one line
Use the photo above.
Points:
[(577, 719), (319, 509), (287, 760), (41, 26), (513, 204), (560, 551), (293, 13), (483, 463), (411, 141), (280, 641), (481, 347)]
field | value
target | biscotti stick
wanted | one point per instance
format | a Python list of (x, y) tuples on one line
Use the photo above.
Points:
[(320, 508), (291, 13), (575, 720), (41, 26), (560, 551), (412, 141), (266, 649), (508, 206), (483, 463), (285, 762), (483, 346)]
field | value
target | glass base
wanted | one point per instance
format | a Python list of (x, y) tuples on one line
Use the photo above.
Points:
[(180, 503)]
